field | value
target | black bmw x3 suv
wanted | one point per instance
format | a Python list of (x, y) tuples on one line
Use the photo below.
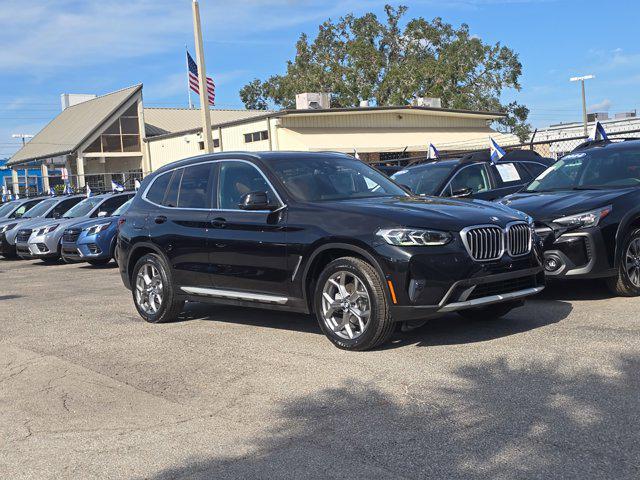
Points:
[(322, 233), (586, 209)]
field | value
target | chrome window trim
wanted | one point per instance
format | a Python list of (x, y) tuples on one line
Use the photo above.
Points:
[(280, 201)]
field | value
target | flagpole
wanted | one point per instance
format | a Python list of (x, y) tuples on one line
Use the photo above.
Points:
[(207, 135), (188, 85)]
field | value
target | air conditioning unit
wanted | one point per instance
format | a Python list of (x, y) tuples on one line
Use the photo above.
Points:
[(429, 102), (313, 101)]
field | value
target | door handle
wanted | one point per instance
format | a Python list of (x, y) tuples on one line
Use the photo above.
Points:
[(160, 219), (218, 222)]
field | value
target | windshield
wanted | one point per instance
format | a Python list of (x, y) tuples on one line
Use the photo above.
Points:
[(122, 208), (40, 209), (332, 178), (426, 179), (7, 208), (591, 170), (83, 208)]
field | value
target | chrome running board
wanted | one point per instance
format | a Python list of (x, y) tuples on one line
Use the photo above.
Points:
[(234, 295), (480, 302)]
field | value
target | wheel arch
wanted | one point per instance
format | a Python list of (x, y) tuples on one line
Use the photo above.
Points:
[(326, 253), (629, 222), (141, 249)]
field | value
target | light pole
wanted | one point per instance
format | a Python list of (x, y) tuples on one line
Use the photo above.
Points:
[(584, 99)]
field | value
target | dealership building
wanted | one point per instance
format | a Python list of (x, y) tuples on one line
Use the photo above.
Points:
[(115, 134)]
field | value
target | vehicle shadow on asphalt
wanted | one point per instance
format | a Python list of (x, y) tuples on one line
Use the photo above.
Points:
[(493, 420), (576, 290)]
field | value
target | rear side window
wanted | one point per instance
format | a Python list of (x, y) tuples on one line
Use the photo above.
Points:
[(109, 206), (171, 198), (194, 187), (159, 188)]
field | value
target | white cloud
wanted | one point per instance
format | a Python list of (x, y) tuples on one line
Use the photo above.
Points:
[(603, 106)]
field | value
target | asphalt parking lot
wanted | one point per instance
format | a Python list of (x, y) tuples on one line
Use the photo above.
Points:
[(88, 390)]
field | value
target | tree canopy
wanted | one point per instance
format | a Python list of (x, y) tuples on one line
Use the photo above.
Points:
[(391, 62)]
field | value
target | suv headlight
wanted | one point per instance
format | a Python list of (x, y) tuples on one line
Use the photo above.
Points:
[(586, 219), (6, 228), (410, 237), (47, 229), (101, 227)]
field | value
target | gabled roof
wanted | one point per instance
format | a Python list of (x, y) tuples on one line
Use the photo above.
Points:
[(160, 121), (66, 132)]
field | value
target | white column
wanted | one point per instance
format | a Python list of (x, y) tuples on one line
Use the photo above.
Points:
[(80, 171), (14, 179), (45, 178)]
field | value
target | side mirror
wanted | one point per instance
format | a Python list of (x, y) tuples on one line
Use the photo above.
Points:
[(463, 192), (255, 201), (102, 214)]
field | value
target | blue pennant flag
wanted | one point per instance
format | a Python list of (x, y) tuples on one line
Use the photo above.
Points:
[(496, 151), (433, 153), (52, 192), (88, 191), (116, 187), (598, 133), (136, 184)]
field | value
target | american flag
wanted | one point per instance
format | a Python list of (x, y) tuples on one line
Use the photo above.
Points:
[(193, 80)]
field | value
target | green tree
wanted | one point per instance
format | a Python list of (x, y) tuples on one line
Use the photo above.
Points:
[(392, 62)]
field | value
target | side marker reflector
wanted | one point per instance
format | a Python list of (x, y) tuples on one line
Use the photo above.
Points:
[(392, 291)]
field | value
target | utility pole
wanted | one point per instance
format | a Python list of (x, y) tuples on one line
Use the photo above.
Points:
[(584, 99), (207, 135)]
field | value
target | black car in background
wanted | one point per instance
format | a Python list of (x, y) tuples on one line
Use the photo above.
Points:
[(587, 211), (474, 175), (322, 233)]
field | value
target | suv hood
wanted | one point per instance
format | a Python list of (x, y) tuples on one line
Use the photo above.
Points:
[(431, 212), (547, 206), (84, 223)]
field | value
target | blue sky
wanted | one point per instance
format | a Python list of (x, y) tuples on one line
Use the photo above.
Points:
[(95, 46)]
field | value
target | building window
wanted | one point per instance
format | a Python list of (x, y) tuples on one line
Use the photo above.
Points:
[(123, 135), (256, 136), (216, 144)]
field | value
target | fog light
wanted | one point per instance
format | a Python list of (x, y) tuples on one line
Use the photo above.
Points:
[(552, 263)]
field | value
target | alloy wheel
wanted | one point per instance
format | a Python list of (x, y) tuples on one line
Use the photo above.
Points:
[(346, 305), (149, 289), (632, 261)]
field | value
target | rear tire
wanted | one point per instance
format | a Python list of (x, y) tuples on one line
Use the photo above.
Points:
[(354, 282), (154, 293), (490, 312), (627, 282)]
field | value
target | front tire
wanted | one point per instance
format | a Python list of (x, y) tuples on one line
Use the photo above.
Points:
[(627, 282), (154, 293), (351, 305), (490, 312)]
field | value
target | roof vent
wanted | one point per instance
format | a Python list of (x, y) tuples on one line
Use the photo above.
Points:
[(430, 102), (313, 101), (70, 99)]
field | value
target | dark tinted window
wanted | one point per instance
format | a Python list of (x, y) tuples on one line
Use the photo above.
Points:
[(535, 168), (109, 206), (171, 198), (24, 208), (64, 206), (424, 180), (238, 179), (510, 174), (332, 178), (41, 208), (158, 189), (194, 187)]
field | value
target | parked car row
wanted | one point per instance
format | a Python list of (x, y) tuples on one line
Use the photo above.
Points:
[(75, 228), (326, 234)]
